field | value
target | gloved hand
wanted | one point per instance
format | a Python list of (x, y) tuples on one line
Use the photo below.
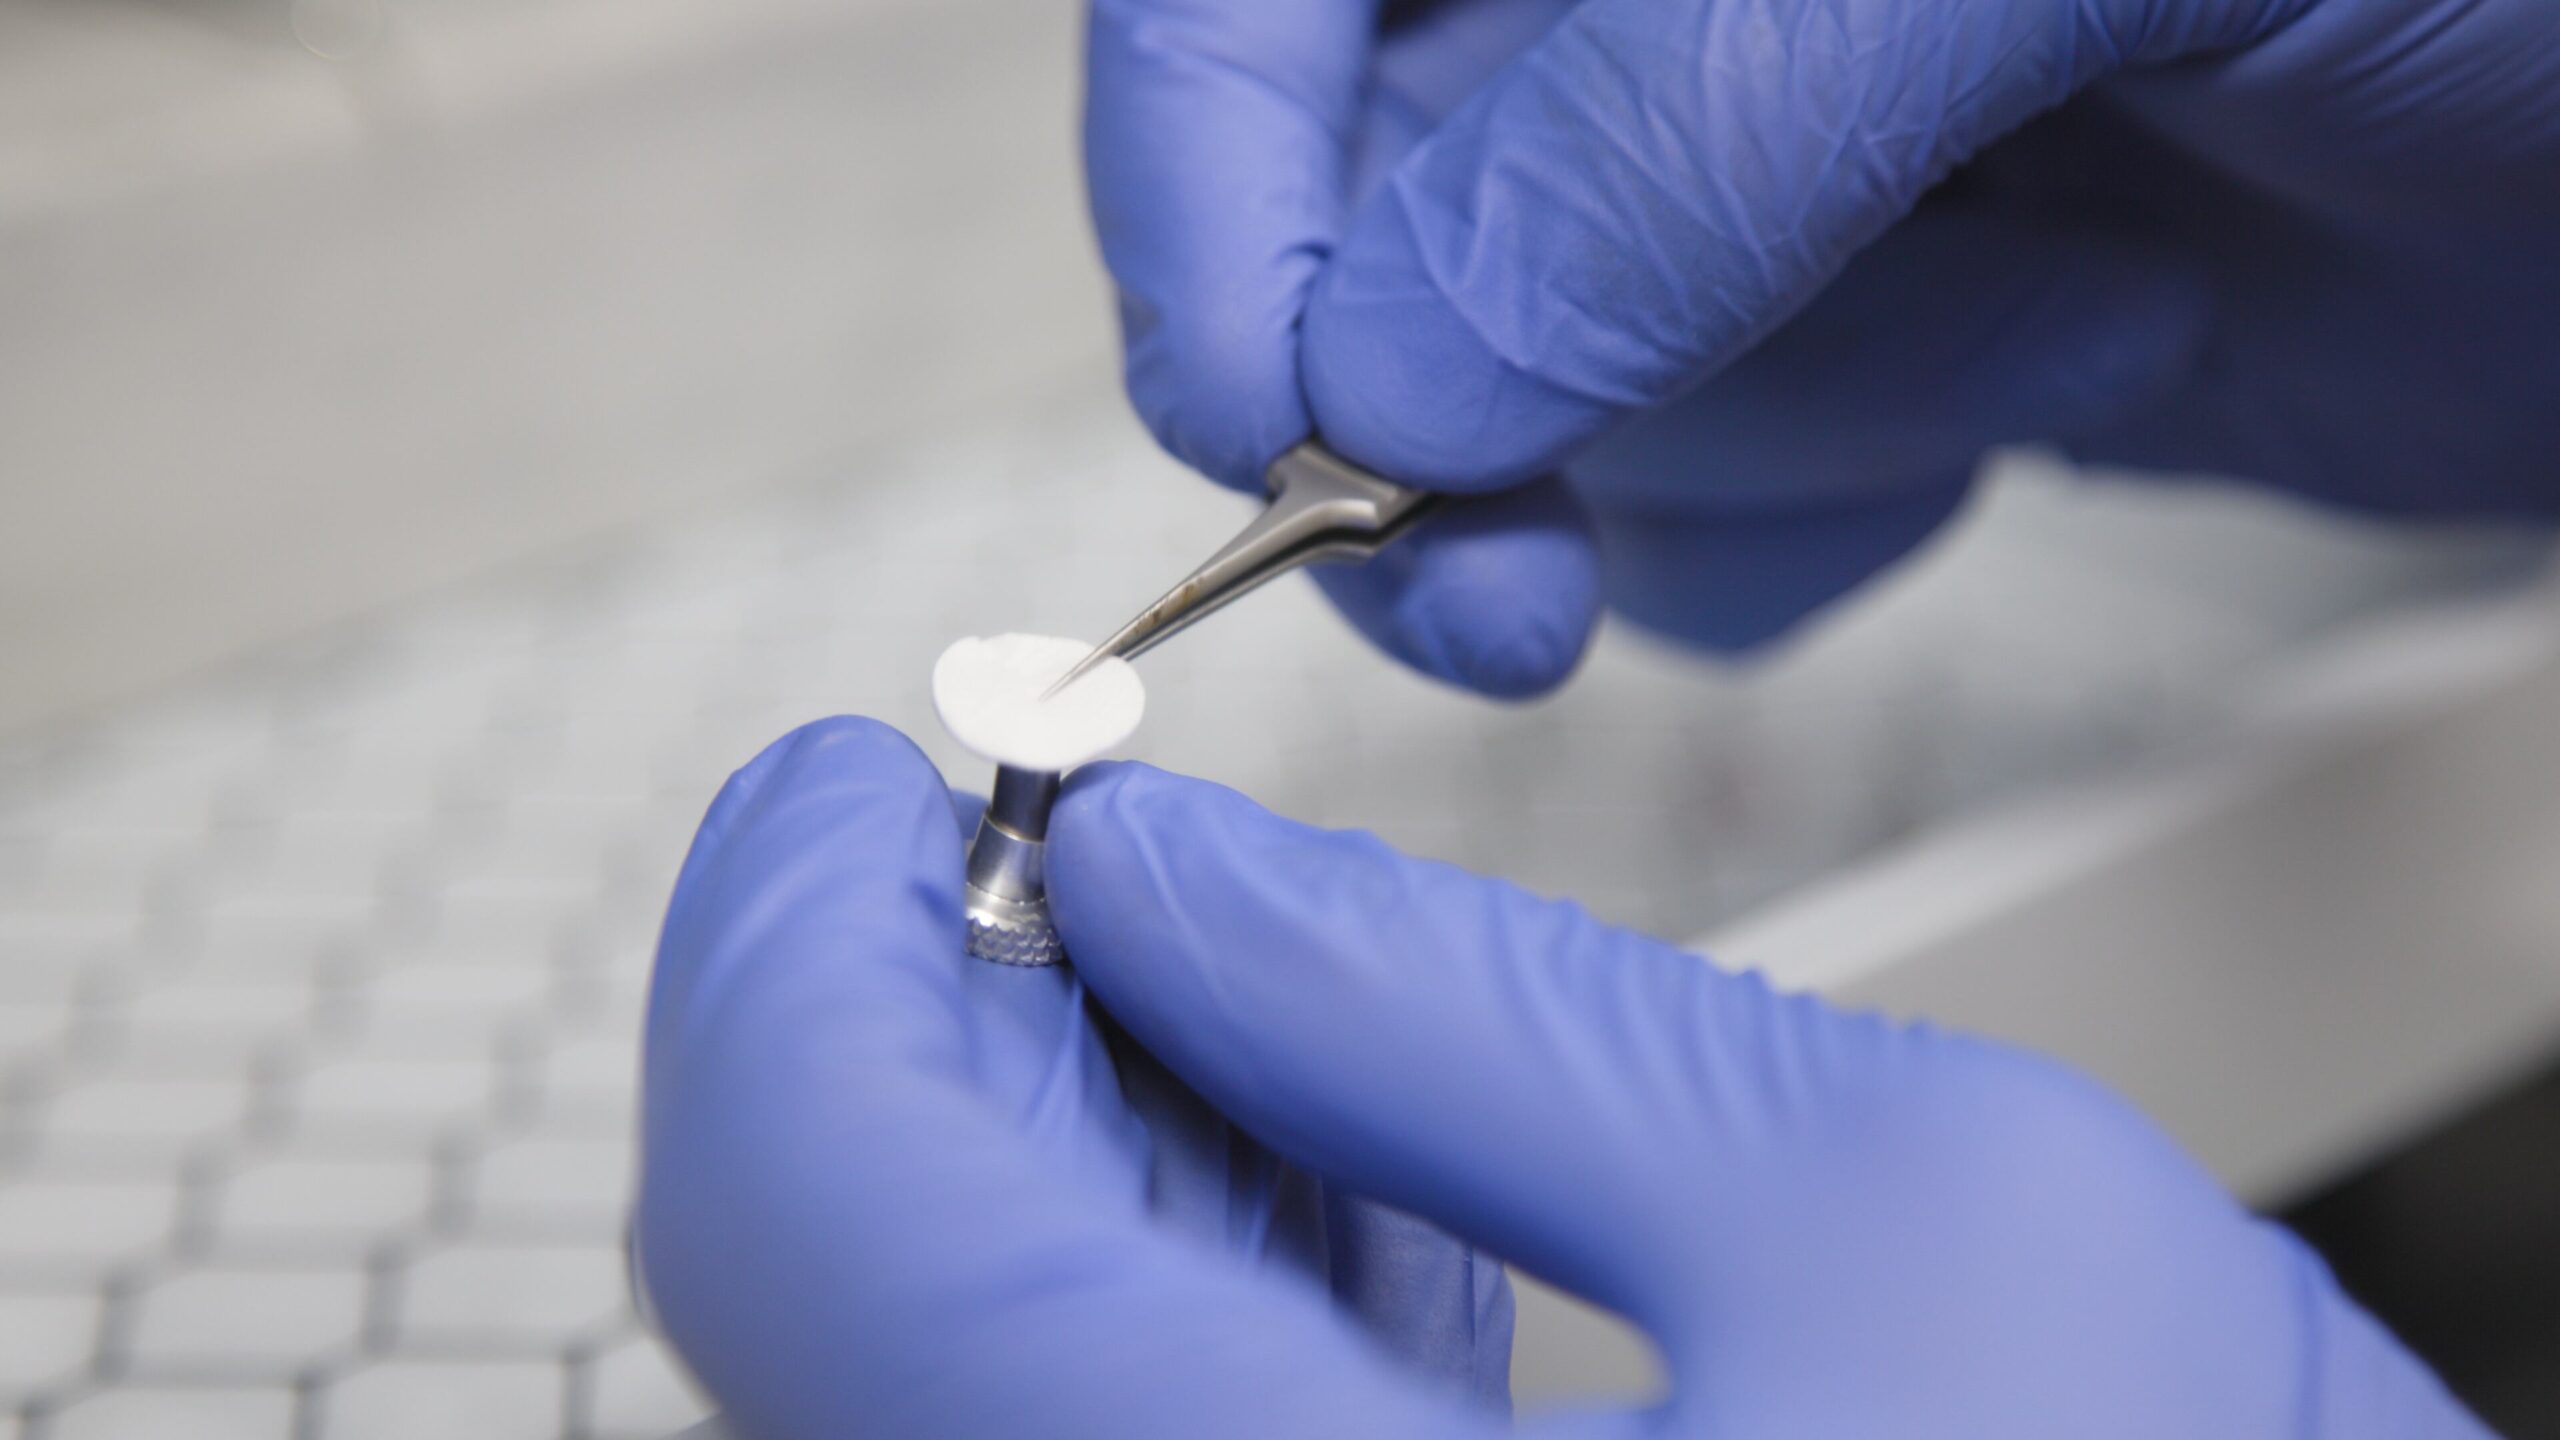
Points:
[(891, 1190), (882, 1197), (1697, 255)]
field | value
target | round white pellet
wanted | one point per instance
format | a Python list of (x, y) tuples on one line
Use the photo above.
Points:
[(987, 692)]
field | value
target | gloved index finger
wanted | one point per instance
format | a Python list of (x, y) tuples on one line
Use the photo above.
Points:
[(1655, 186), (1568, 1095), (1215, 138)]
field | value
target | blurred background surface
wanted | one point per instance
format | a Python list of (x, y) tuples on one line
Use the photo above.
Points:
[(439, 440), (288, 337)]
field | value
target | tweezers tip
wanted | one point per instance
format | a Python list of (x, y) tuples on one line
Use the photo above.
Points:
[(1076, 672)]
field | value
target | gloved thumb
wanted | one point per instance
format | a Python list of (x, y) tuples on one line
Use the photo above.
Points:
[(1506, 1066), (1657, 185)]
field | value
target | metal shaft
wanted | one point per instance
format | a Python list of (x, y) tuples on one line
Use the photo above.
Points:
[(1006, 897)]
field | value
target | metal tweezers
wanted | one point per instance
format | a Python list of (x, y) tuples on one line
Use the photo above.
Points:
[(1322, 507)]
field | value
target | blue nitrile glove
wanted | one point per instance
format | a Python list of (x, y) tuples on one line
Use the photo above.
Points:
[(1680, 250), (1833, 1226), (888, 1190)]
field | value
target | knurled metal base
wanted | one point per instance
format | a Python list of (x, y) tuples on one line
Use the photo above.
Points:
[(1010, 932)]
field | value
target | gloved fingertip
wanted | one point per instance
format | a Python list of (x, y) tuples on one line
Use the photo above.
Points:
[(1088, 788), (848, 746), (1213, 145), (1118, 798), (966, 807), (853, 741), (1499, 595), (1115, 827), (840, 828), (1527, 650), (1219, 391)]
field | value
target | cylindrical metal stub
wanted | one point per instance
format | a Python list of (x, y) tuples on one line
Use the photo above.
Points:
[(1006, 895)]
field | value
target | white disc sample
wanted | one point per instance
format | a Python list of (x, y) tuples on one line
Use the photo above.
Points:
[(987, 692)]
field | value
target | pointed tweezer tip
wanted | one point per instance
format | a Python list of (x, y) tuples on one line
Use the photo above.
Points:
[(1077, 671), (1125, 640)]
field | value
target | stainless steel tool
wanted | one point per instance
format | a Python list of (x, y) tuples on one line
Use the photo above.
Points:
[(1322, 508), (1006, 893)]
